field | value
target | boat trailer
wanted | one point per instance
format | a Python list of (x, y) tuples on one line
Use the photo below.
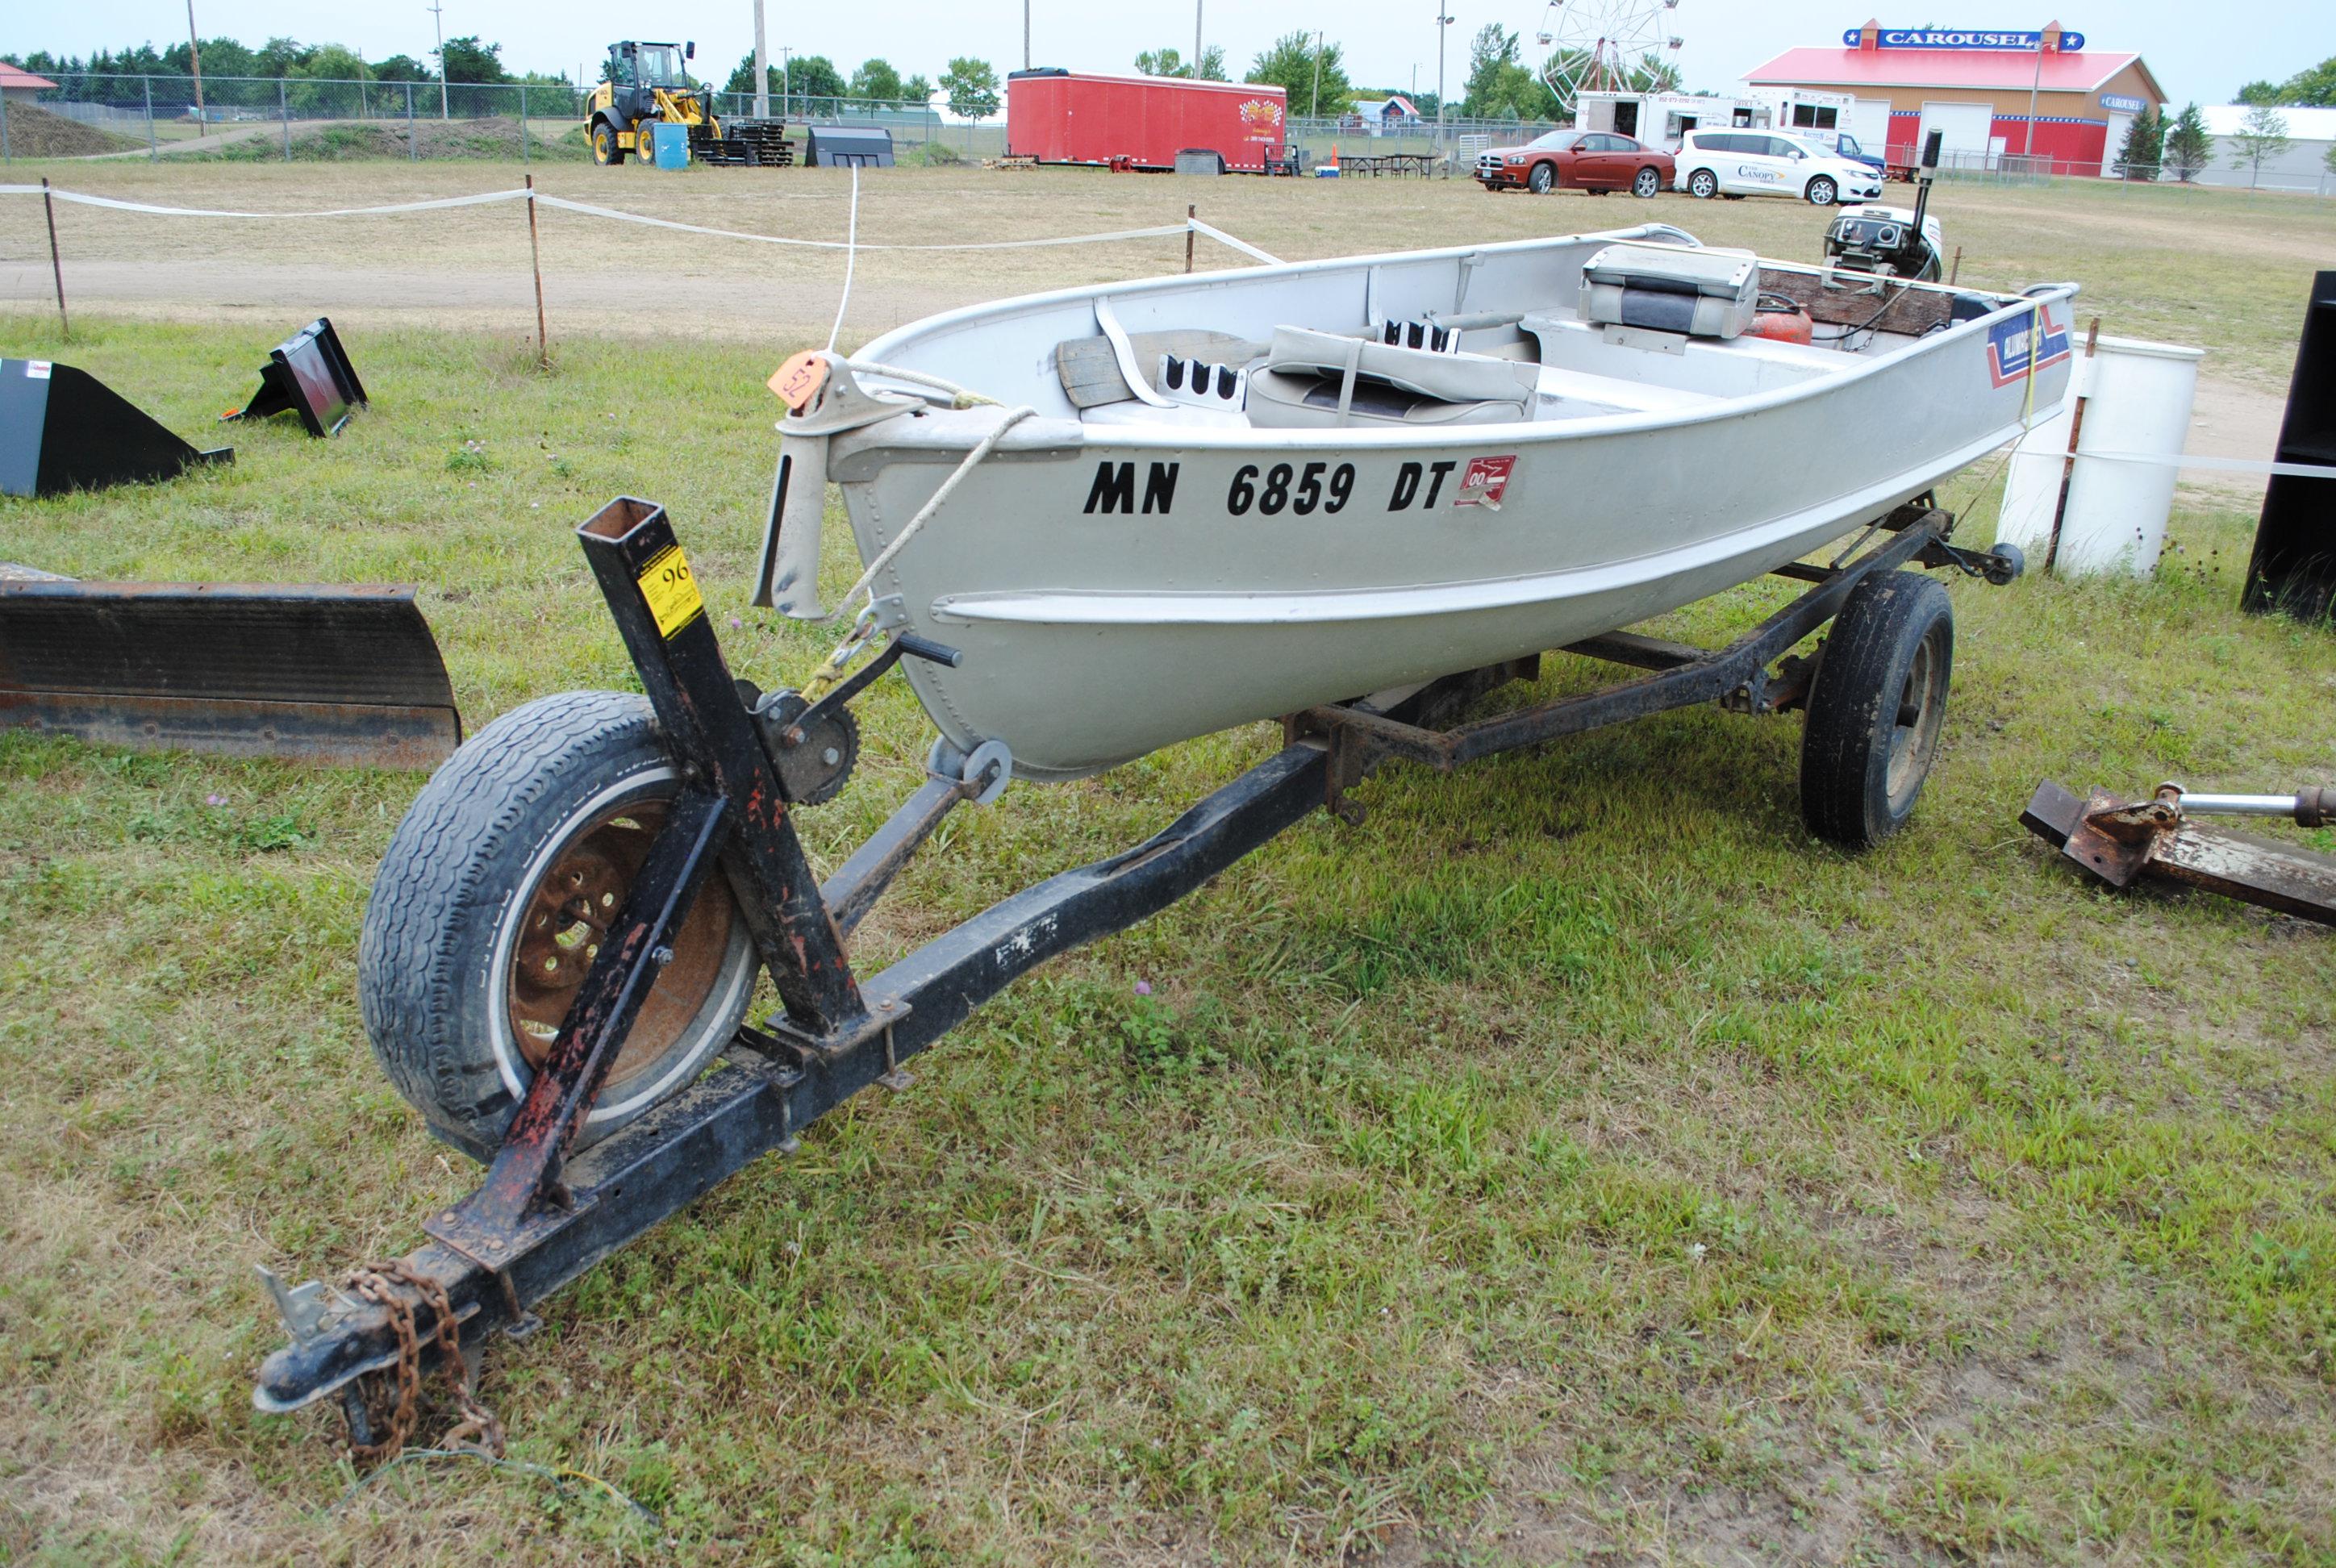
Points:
[(540, 1218)]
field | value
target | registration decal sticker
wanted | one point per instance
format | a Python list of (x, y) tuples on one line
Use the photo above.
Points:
[(2008, 344), (1484, 480)]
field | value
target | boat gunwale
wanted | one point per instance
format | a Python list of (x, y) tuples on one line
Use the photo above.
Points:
[(1048, 432)]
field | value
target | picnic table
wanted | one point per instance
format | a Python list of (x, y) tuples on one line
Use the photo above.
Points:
[(1377, 163)]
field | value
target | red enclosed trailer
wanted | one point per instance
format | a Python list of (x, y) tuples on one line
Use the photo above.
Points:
[(1060, 116)]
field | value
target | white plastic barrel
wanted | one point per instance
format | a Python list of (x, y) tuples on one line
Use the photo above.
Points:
[(2137, 398)]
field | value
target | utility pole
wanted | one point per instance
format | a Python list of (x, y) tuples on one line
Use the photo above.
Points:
[(1196, 40), (761, 68), (786, 86), (195, 58), (1025, 34), (1314, 104), (438, 9)]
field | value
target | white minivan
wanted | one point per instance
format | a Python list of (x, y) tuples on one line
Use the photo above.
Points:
[(1769, 163)]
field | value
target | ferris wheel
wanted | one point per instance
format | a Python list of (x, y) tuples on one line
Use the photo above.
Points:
[(1596, 46)]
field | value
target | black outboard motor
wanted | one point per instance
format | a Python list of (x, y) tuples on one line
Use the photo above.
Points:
[(1891, 241)]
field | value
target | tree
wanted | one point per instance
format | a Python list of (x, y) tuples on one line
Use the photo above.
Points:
[(1499, 87), (2261, 136), (2188, 148), (2145, 146), (916, 90), (2329, 157), (972, 88), (1169, 62), (876, 79), (396, 68), (1313, 73), (2314, 87)]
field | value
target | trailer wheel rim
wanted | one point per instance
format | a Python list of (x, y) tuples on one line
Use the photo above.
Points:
[(1922, 713), (562, 920)]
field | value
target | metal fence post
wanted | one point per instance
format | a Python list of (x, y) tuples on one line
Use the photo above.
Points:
[(412, 151), (57, 267), (284, 110), (523, 157), (151, 153)]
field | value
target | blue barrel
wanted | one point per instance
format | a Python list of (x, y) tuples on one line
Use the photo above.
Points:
[(672, 142)]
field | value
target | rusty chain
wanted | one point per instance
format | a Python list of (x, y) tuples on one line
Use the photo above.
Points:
[(479, 1428)]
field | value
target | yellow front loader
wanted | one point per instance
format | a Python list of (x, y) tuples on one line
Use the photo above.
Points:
[(648, 85)]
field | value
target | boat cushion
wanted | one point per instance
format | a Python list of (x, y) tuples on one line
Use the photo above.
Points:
[(1327, 379), (1702, 293)]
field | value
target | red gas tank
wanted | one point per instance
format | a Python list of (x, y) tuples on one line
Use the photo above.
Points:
[(1782, 320)]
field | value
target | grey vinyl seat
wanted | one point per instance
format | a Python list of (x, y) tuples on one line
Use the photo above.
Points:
[(1326, 380)]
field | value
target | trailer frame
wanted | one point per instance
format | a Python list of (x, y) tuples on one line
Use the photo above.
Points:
[(540, 1219)]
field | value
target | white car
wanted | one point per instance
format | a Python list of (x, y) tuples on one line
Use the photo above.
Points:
[(1769, 163)]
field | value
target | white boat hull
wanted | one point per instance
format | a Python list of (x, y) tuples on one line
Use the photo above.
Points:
[(1118, 587)]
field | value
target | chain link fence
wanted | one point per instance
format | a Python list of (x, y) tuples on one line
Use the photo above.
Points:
[(303, 118)]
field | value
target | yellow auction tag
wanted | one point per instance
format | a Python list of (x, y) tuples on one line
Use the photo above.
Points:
[(671, 592), (798, 381)]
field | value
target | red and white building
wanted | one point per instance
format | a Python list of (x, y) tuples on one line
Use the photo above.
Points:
[(21, 86), (1993, 94)]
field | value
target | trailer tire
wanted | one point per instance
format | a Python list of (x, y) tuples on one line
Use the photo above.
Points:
[(571, 785), (1877, 708)]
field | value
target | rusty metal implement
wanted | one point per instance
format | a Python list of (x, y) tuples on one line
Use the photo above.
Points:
[(344, 677), (2119, 841)]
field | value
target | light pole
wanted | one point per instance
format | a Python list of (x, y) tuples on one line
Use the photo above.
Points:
[(439, 11), (1025, 34), (2027, 137), (1196, 40), (1314, 104), (1444, 19), (786, 90)]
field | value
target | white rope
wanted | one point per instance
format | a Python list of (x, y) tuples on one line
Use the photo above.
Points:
[(2224, 464), (80, 199), (966, 397), (973, 459), (1159, 232), (851, 257), (1244, 246)]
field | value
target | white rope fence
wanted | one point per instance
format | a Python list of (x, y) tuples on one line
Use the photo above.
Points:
[(488, 197), (850, 244)]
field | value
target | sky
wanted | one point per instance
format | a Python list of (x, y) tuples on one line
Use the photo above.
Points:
[(1387, 43)]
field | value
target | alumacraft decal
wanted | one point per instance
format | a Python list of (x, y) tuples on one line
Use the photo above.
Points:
[(2008, 344)]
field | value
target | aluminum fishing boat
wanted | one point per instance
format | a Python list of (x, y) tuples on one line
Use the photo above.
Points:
[(1196, 502)]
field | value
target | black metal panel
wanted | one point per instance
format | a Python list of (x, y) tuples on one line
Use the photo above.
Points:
[(307, 373), (2293, 569), (61, 429)]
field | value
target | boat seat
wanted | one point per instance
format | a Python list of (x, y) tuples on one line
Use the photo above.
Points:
[(1313, 379)]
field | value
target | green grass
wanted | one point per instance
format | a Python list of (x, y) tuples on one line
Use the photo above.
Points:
[(1574, 1159)]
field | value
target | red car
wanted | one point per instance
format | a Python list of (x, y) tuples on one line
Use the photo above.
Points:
[(1597, 160)]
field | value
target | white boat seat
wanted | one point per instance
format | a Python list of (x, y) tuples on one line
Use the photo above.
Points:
[(1325, 379)]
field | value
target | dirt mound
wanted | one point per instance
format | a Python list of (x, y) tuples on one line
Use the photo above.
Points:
[(368, 139), (36, 133)]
